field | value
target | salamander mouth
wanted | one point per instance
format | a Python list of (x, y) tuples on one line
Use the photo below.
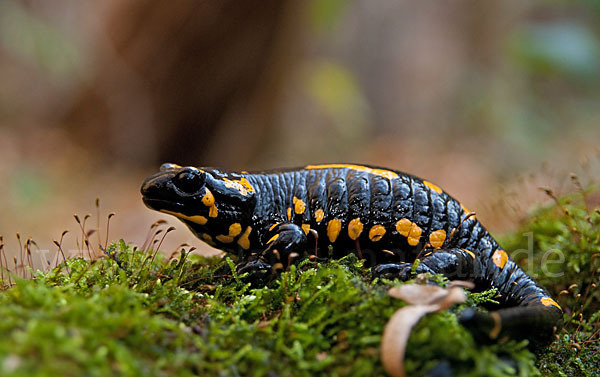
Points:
[(160, 204)]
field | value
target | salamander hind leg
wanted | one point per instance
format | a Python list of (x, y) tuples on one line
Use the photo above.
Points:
[(392, 271), (533, 313), (453, 263)]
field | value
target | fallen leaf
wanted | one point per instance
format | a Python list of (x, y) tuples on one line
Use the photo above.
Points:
[(416, 294), (423, 299), (462, 284)]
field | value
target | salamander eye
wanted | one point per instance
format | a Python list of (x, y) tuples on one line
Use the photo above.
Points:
[(189, 180)]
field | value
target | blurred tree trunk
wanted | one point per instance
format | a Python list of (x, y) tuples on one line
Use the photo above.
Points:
[(197, 83)]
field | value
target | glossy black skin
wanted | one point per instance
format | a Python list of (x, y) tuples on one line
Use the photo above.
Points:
[(376, 199)]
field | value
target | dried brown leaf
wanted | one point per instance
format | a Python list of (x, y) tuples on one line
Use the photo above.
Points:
[(395, 337), (462, 284), (417, 294), (429, 299)]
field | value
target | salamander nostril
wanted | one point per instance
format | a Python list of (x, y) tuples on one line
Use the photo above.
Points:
[(189, 180)]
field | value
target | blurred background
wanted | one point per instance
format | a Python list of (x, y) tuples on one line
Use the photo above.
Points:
[(490, 100)]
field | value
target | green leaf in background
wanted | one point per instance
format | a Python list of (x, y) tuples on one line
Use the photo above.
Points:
[(325, 13), (565, 48), (335, 89), (28, 188), (28, 37)]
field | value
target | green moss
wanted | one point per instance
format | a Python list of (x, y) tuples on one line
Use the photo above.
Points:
[(137, 313), (111, 317), (560, 247)]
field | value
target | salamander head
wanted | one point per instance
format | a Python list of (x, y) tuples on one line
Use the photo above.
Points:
[(199, 196)]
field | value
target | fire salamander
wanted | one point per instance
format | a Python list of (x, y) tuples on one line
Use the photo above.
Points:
[(386, 217)]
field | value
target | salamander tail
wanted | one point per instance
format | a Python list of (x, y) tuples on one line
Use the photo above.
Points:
[(533, 313)]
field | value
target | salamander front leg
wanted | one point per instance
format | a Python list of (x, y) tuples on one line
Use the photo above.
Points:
[(255, 266), (285, 243)]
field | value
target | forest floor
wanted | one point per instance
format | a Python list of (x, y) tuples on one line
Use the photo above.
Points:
[(127, 311)]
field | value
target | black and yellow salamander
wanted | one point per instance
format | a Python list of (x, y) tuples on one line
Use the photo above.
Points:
[(386, 217)]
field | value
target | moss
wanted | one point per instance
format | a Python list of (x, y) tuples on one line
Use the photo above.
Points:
[(109, 317), (560, 247), (136, 313)]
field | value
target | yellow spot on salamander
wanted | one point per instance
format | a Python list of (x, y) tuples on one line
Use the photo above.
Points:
[(273, 238), (415, 235), (306, 228), (235, 229), (469, 252), (437, 238), (299, 205), (273, 226), (410, 230), (433, 187), (201, 220), (319, 214), (289, 214), (223, 238), (242, 185), (380, 172), (403, 227), (208, 239), (333, 229), (376, 233), (355, 228), (547, 301), (244, 240), (464, 208), (208, 199), (500, 258)]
